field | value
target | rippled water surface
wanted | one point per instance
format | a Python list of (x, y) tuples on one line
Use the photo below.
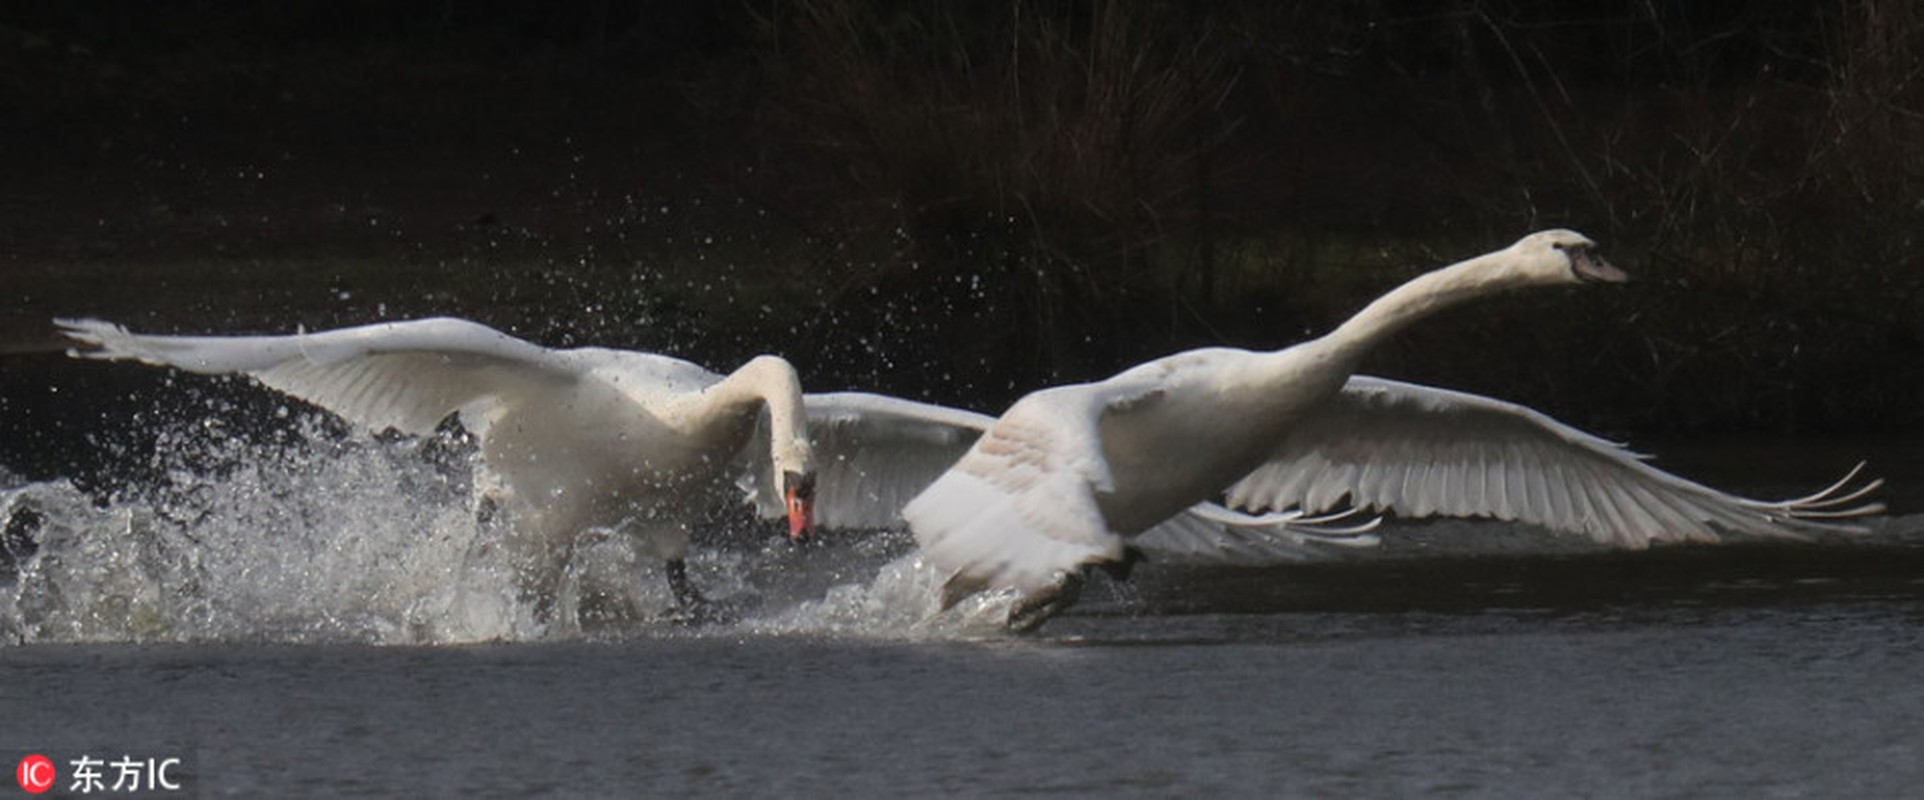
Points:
[(1806, 700)]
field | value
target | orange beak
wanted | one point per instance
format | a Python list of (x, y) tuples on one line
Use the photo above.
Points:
[(801, 516)]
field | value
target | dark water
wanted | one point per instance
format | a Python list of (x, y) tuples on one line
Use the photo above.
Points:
[(1775, 671), (1803, 700)]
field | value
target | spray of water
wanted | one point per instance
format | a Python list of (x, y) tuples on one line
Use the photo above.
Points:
[(319, 536)]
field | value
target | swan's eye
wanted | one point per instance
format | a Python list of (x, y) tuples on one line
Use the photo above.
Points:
[(799, 484)]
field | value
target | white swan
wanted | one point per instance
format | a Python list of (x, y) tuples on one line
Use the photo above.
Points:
[(577, 439), (1070, 474), (874, 452), (600, 438)]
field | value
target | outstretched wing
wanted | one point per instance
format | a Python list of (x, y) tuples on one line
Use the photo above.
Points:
[(402, 375), (1207, 533), (1420, 451), (872, 454)]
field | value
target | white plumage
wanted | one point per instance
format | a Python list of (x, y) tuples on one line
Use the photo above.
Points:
[(599, 438), (873, 453), (1421, 451), (575, 439), (1071, 476)]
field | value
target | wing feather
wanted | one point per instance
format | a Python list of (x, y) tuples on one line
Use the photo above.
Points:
[(1421, 451), (1209, 533), (1019, 507), (873, 453), (402, 375)]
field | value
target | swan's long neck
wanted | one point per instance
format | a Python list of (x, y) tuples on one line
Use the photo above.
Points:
[(1422, 296), (769, 382)]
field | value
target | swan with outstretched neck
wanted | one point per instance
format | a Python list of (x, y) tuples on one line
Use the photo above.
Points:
[(1069, 475)]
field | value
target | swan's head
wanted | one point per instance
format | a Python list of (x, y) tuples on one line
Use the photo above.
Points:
[(773, 382), (1561, 256), (798, 497)]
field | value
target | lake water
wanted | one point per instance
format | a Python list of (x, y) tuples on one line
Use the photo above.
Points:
[(291, 611), (1661, 699), (1804, 700)]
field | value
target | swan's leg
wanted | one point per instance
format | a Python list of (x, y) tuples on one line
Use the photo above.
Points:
[(670, 544), (959, 588), (1031, 610), (687, 597), (1120, 570)]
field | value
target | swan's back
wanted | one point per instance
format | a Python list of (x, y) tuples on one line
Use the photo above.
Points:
[(644, 376), (1181, 428)]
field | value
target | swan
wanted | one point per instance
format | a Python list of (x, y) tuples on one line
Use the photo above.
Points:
[(874, 452), (1070, 475), (572, 439), (600, 438)]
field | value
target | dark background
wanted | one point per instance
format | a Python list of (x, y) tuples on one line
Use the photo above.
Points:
[(963, 202)]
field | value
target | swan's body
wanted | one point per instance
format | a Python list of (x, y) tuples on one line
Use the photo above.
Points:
[(874, 453), (593, 438), (574, 439), (1068, 476)]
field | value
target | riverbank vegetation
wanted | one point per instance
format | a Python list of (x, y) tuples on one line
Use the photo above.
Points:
[(965, 201)]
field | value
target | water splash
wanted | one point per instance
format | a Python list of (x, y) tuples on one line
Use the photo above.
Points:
[(315, 538), (318, 536), (900, 602)]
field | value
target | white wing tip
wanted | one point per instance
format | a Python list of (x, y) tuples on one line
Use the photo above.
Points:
[(1282, 535), (101, 340), (1823, 509), (1319, 526)]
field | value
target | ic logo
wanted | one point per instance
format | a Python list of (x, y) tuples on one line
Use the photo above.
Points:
[(36, 773)]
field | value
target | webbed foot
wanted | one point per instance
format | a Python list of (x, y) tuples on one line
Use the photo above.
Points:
[(959, 588), (1031, 610)]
